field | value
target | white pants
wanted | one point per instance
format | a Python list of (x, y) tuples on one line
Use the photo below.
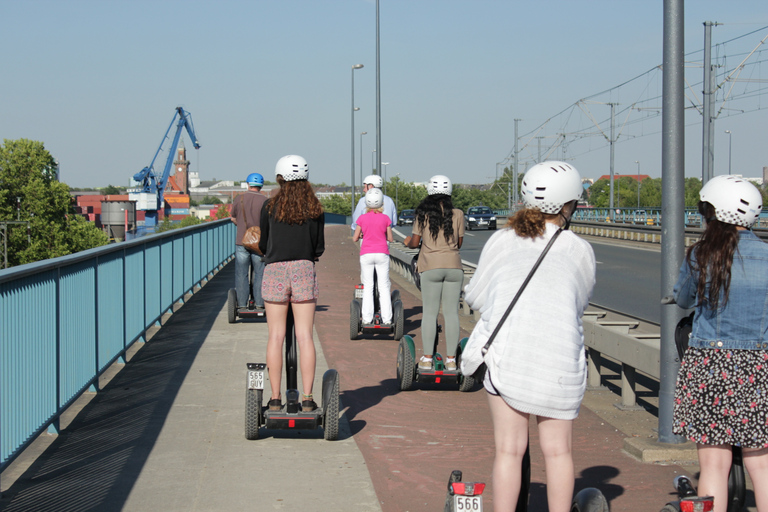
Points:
[(380, 262)]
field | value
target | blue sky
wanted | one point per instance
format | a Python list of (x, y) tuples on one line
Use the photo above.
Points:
[(98, 81)]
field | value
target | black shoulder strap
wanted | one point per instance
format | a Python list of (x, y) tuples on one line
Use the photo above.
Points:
[(520, 291)]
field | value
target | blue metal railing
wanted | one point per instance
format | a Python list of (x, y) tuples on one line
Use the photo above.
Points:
[(64, 321)]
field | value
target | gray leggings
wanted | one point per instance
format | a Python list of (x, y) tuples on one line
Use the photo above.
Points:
[(441, 286)]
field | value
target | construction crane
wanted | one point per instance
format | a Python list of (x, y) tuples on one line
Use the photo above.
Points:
[(151, 195)]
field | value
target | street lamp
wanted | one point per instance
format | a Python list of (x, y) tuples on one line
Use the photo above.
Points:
[(638, 183), (729, 150), (397, 187), (384, 175), (373, 165), (361, 161), (356, 66)]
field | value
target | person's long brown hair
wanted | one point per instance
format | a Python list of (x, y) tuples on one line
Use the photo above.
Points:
[(295, 202), (714, 257), (529, 222)]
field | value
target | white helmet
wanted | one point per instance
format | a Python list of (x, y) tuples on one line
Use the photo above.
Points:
[(375, 180), (548, 186), (292, 167), (736, 200), (439, 184), (374, 198)]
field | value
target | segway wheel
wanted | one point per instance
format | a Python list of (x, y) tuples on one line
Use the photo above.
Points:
[(405, 365), (253, 400), (331, 405), (395, 295), (354, 319), (232, 305), (398, 314), (589, 500)]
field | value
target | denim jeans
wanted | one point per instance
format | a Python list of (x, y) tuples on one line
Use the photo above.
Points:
[(248, 265)]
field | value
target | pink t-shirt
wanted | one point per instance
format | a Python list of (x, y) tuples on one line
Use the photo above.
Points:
[(374, 226)]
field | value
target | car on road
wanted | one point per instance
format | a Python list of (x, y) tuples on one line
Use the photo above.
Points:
[(479, 217), (405, 217)]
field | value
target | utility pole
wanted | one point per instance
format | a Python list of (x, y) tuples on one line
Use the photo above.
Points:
[(611, 141), (514, 168), (672, 207), (708, 108), (378, 97)]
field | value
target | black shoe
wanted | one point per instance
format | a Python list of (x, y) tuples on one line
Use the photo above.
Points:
[(275, 404), (308, 406)]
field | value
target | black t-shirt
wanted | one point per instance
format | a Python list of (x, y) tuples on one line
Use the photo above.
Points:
[(289, 242)]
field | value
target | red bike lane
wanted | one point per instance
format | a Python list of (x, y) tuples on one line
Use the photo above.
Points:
[(412, 440)]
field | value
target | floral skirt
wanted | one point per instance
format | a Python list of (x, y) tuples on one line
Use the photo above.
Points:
[(721, 397)]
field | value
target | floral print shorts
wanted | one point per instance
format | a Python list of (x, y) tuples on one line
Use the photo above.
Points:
[(290, 280), (721, 397)]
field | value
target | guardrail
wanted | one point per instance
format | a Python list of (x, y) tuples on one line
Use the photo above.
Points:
[(64, 321), (634, 344)]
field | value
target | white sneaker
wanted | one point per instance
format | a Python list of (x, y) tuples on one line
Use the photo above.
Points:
[(450, 364), (425, 364)]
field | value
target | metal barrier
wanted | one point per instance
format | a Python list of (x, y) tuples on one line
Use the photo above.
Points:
[(633, 343), (64, 321)]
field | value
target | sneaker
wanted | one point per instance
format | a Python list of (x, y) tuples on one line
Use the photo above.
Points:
[(308, 405), (450, 364), (425, 364), (275, 404)]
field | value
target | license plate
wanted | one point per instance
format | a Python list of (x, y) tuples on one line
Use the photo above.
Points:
[(482, 222), (255, 379), (467, 503)]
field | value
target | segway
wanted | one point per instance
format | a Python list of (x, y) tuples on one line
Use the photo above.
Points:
[(356, 325), (290, 416), (409, 372), (249, 311)]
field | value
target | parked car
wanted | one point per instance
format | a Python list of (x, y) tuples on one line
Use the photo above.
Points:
[(405, 217), (479, 217)]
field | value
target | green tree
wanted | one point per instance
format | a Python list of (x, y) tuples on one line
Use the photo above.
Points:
[(110, 190), (27, 177), (222, 212), (340, 204), (167, 224)]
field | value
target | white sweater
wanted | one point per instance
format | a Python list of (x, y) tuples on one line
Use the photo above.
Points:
[(537, 361)]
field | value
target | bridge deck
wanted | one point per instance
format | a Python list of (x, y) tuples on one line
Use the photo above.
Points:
[(166, 432)]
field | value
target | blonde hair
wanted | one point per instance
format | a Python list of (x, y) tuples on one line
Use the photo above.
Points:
[(380, 209)]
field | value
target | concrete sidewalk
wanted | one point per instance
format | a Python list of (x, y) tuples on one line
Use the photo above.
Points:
[(167, 433)]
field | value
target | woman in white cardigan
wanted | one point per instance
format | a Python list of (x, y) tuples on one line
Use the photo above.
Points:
[(536, 364)]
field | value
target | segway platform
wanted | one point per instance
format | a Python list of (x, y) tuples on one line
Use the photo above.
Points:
[(290, 416), (356, 325), (409, 372), (234, 312)]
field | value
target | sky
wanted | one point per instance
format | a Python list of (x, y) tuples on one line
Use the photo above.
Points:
[(98, 82)]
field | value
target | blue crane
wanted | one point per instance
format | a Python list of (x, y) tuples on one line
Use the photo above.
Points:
[(148, 179)]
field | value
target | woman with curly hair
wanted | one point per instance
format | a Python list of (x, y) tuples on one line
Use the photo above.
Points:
[(536, 365), (439, 228), (292, 240), (720, 398)]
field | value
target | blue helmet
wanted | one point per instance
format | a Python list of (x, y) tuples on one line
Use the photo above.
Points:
[(255, 180)]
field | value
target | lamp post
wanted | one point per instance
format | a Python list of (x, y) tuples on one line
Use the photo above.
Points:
[(373, 165), (729, 150), (638, 183), (356, 66), (361, 161), (384, 175), (397, 187)]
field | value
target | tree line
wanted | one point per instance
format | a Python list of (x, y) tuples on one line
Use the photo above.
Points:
[(497, 195)]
